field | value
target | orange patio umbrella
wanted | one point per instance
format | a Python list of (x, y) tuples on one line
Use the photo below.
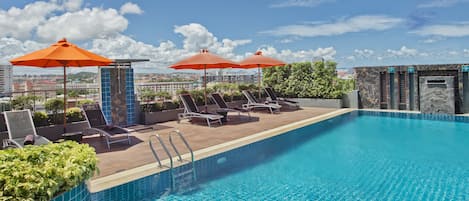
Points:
[(259, 61), (61, 54), (204, 60)]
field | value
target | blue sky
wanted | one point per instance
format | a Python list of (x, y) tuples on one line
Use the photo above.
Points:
[(353, 33)]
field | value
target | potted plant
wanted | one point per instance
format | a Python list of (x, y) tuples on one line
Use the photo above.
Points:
[(54, 105), (74, 114), (85, 102), (40, 119)]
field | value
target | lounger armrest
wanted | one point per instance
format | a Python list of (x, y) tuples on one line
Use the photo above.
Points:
[(89, 131), (13, 142), (274, 102)]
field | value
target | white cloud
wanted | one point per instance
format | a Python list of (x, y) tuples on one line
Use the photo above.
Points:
[(466, 52), (403, 52), (289, 39), (290, 56), (130, 8), (354, 24), (444, 30), (453, 53), (424, 54), (433, 39), (440, 3), (300, 3), (72, 5), (197, 37), (365, 53), (84, 24), (351, 58), (49, 21), (11, 48), (19, 23)]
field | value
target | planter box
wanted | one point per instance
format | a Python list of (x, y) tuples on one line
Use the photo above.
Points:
[(157, 117), (54, 132), (350, 100), (318, 102)]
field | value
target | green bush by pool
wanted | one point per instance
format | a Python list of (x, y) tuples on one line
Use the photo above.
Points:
[(42, 172)]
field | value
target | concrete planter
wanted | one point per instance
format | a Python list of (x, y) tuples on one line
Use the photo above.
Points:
[(54, 132), (318, 102), (162, 116)]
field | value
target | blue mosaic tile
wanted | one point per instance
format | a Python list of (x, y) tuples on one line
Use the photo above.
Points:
[(435, 117), (78, 193)]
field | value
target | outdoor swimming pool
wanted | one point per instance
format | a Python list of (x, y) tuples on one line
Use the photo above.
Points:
[(356, 156)]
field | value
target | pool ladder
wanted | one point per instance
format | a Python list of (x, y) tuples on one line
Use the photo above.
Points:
[(183, 179)]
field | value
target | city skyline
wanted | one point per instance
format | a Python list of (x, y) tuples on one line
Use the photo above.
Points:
[(358, 33)]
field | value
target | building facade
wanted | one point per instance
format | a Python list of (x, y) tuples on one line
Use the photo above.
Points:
[(170, 87), (6, 79), (232, 78), (442, 88)]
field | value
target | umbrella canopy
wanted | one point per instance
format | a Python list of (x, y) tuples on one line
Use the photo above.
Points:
[(259, 61), (61, 54), (204, 60)]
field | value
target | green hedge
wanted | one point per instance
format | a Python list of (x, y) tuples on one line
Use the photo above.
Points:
[(42, 172), (307, 80)]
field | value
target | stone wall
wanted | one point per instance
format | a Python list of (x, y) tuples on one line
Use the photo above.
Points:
[(118, 96), (368, 87), (437, 94), (368, 84)]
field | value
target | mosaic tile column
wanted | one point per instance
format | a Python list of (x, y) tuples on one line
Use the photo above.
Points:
[(105, 91), (117, 95), (130, 96)]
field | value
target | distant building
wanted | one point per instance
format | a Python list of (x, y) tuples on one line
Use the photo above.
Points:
[(345, 73), (6, 78), (170, 87), (231, 78)]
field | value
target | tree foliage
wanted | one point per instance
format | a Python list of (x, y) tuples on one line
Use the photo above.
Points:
[(24, 102), (306, 80)]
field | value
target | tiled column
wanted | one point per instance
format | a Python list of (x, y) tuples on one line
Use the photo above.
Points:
[(105, 92), (130, 96), (117, 95)]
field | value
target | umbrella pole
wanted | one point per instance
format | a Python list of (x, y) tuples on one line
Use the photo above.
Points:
[(65, 100), (205, 86), (259, 80)]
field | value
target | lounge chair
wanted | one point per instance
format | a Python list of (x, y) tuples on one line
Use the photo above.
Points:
[(20, 125), (222, 106), (273, 98), (253, 103), (191, 111), (97, 124)]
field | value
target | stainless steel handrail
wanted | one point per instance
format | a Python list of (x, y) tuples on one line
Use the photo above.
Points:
[(187, 146), (164, 147), (185, 143)]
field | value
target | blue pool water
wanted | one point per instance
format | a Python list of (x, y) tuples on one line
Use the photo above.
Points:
[(362, 158)]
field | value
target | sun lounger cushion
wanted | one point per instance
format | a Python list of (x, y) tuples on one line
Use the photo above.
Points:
[(29, 140)]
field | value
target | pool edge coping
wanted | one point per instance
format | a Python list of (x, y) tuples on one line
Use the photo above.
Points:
[(107, 182)]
